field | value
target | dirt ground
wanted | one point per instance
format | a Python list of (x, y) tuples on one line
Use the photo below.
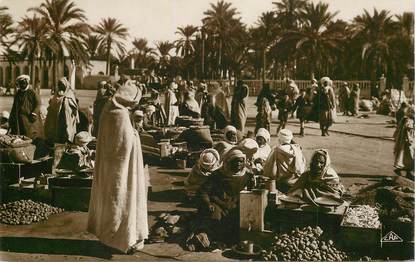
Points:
[(360, 149)]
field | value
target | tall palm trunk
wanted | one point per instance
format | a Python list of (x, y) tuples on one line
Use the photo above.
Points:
[(107, 69), (54, 72), (264, 64), (32, 74), (220, 58)]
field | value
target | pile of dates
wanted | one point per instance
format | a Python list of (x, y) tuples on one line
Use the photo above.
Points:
[(25, 212), (303, 244)]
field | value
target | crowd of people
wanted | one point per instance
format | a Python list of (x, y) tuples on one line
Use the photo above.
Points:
[(126, 108)]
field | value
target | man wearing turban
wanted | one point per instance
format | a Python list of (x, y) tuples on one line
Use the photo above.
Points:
[(25, 114), (63, 116)]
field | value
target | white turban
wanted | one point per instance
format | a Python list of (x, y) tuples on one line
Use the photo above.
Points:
[(262, 132), (229, 128), (150, 109), (138, 113), (249, 146), (82, 138), (5, 114), (128, 94), (23, 77), (285, 136), (326, 81), (209, 159)]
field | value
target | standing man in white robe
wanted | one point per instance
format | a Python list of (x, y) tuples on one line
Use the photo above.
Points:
[(171, 104), (118, 205)]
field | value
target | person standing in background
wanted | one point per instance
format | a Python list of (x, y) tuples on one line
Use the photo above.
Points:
[(238, 107), (264, 104), (171, 106), (63, 116), (344, 96), (325, 105), (354, 100), (25, 114)]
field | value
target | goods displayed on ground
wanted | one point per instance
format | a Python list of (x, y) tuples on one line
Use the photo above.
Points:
[(16, 149), (306, 244), (25, 212), (362, 216), (167, 226)]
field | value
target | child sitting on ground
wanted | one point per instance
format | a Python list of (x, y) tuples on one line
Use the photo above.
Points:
[(78, 156)]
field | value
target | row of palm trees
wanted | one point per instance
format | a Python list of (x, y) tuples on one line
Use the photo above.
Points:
[(298, 38)]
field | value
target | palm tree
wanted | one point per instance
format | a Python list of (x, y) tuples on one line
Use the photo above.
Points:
[(6, 23), (315, 41), (67, 31), (375, 33), (143, 54), (164, 48), (289, 12), (141, 46), (32, 39), (185, 44), (93, 47), (264, 36), (403, 44), (7, 39), (111, 33), (220, 22)]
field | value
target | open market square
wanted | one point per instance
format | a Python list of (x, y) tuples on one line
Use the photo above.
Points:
[(207, 130)]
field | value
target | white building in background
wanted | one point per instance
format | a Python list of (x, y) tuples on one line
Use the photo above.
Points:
[(43, 74)]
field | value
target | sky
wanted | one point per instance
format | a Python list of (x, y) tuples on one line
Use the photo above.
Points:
[(158, 19)]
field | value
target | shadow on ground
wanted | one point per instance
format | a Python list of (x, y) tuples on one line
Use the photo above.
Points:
[(174, 172), (171, 195), (70, 247)]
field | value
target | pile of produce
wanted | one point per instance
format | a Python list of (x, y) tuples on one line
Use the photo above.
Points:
[(25, 212), (395, 196), (303, 245), (362, 216), (168, 226)]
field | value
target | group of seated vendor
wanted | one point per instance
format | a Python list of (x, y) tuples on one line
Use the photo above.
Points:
[(231, 166)]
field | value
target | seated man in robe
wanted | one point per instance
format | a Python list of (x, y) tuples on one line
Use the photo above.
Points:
[(230, 139), (262, 137), (286, 163), (320, 180), (219, 198), (208, 162)]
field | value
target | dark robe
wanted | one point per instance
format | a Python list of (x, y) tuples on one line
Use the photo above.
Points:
[(222, 191), (300, 105), (21, 121), (238, 107), (213, 116)]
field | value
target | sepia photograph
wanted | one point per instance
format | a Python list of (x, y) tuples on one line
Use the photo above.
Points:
[(207, 130)]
